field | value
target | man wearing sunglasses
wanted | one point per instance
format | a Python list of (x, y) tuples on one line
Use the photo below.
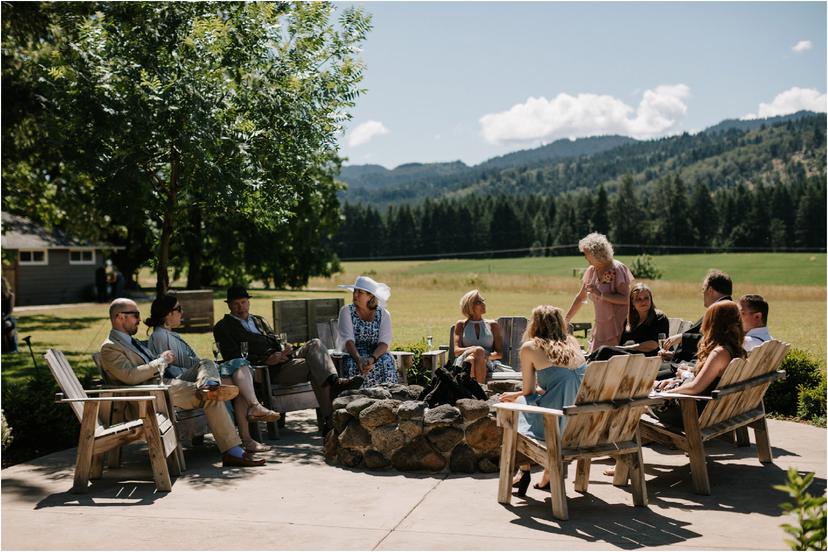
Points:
[(130, 362)]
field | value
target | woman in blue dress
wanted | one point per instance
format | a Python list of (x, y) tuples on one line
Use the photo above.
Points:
[(165, 315), (364, 332), (553, 366)]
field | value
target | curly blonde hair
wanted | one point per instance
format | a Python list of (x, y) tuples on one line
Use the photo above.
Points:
[(548, 330), (721, 325), (596, 245)]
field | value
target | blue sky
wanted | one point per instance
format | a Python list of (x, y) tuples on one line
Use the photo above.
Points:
[(471, 80)]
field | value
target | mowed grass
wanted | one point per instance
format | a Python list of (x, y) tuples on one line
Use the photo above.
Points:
[(425, 297)]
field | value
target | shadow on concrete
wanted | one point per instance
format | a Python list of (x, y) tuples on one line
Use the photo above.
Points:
[(594, 520)]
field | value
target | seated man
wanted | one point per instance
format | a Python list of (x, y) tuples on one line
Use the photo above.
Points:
[(287, 367), (127, 361), (754, 312), (717, 286)]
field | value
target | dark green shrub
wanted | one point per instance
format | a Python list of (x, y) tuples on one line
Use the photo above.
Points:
[(643, 267), (40, 425), (809, 531), (5, 431), (803, 372), (811, 404)]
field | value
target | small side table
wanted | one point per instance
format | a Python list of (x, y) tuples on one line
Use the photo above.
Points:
[(404, 360), (433, 360)]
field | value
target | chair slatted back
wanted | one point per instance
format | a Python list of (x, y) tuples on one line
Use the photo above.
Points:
[(67, 380), (326, 331), (678, 325), (620, 377), (512, 328), (763, 359)]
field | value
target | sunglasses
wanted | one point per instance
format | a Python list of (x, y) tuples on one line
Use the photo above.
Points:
[(137, 314), (178, 308)]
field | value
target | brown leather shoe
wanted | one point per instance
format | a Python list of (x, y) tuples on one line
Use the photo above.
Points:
[(246, 461), (342, 384), (219, 392)]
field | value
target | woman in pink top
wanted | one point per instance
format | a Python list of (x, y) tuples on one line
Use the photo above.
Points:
[(607, 284)]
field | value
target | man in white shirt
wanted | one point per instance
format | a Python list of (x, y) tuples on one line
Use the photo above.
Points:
[(754, 312)]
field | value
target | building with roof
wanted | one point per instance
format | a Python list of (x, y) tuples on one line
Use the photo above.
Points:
[(47, 267)]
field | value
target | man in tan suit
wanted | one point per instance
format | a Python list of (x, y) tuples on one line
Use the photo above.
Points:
[(128, 361)]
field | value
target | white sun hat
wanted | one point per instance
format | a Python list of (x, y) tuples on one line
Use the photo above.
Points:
[(379, 290)]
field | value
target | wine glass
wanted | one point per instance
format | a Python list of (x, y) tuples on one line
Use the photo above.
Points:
[(216, 352), (430, 340), (661, 339), (243, 349), (283, 339)]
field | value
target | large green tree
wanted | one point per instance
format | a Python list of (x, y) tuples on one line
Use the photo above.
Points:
[(177, 117)]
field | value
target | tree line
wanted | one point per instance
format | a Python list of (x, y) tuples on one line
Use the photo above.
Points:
[(669, 216)]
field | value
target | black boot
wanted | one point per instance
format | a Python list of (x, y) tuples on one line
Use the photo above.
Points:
[(523, 484)]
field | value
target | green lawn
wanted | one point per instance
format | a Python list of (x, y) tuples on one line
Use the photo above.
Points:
[(425, 296)]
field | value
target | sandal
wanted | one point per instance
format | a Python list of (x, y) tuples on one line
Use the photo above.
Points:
[(258, 413), (254, 446), (540, 487), (609, 472)]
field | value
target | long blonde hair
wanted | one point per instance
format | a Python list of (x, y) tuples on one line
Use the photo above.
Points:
[(548, 330)]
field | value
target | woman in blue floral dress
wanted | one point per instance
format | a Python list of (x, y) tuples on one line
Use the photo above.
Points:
[(364, 332)]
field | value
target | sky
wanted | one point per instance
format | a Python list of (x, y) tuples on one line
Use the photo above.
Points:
[(448, 81)]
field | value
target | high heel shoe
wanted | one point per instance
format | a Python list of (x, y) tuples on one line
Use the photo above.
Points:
[(258, 413), (523, 484)]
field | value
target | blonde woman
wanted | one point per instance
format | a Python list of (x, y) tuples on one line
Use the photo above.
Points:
[(607, 284), (553, 366), (477, 341)]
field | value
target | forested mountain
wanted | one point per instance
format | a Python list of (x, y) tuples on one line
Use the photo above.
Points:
[(757, 188), (726, 154)]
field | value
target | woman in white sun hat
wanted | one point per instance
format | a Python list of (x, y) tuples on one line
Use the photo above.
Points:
[(364, 332)]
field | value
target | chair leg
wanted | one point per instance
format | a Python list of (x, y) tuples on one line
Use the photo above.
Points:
[(508, 420), (96, 471), (695, 446), (113, 458), (742, 437), (760, 433), (557, 486), (158, 459), (86, 447), (639, 484), (582, 474), (622, 471)]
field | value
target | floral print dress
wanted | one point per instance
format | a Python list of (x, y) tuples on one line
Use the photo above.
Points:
[(366, 339)]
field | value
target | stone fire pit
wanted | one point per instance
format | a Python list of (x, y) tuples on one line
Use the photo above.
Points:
[(386, 426)]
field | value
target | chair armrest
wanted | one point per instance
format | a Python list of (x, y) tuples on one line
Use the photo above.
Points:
[(528, 408), (59, 399), (668, 395), (130, 389)]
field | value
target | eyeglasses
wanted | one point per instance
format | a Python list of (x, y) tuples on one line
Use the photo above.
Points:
[(178, 308), (136, 314)]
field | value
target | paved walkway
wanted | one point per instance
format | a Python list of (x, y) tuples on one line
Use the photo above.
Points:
[(299, 502)]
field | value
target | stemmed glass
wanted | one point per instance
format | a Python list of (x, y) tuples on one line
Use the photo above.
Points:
[(661, 339), (243, 349), (429, 340), (283, 339), (216, 352)]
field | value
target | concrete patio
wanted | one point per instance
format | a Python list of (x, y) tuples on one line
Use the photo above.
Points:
[(299, 502)]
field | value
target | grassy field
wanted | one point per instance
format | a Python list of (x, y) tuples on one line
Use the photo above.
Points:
[(425, 296)]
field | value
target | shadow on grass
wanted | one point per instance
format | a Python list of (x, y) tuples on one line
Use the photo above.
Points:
[(48, 323)]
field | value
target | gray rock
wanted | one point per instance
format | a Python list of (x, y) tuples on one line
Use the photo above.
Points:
[(379, 413), (418, 455), (488, 465), (472, 409), (376, 393), (414, 391), (444, 438), (343, 400), (398, 391), (442, 415), (411, 409), (351, 393), (463, 459), (348, 457), (484, 435), (357, 406), (503, 385), (411, 428), (341, 419), (387, 438), (375, 460), (331, 446), (354, 436)]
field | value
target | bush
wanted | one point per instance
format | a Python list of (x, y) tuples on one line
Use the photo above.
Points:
[(811, 403), (644, 267), (5, 431), (417, 375), (803, 373), (809, 531), (40, 425)]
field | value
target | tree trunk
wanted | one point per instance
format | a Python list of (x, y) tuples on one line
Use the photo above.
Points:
[(163, 277)]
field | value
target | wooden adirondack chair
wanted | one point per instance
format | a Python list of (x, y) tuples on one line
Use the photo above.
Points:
[(602, 422), (512, 328), (153, 425), (735, 404), (678, 325)]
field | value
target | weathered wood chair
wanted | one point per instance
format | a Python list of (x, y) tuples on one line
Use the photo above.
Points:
[(190, 425), (283, 398), (512, 328), (735, 404), (153, 425), (678, 325), (602, 422)]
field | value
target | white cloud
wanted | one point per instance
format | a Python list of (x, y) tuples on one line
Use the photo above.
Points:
[(566, 116), (365, 132), (802, 46), (791, 101)]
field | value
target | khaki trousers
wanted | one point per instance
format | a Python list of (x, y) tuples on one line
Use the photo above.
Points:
[(313, 364), (185, 394)]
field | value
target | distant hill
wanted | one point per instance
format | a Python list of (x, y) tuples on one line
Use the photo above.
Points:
[(723, 155)]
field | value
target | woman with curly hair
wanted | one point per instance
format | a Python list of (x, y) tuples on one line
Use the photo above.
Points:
[(722, 341), (553, 366), (606, 283)]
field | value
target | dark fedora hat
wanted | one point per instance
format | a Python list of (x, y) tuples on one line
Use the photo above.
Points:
[(236, 292)]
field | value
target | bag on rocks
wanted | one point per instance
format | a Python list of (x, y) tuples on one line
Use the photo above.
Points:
[(450, 384)]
